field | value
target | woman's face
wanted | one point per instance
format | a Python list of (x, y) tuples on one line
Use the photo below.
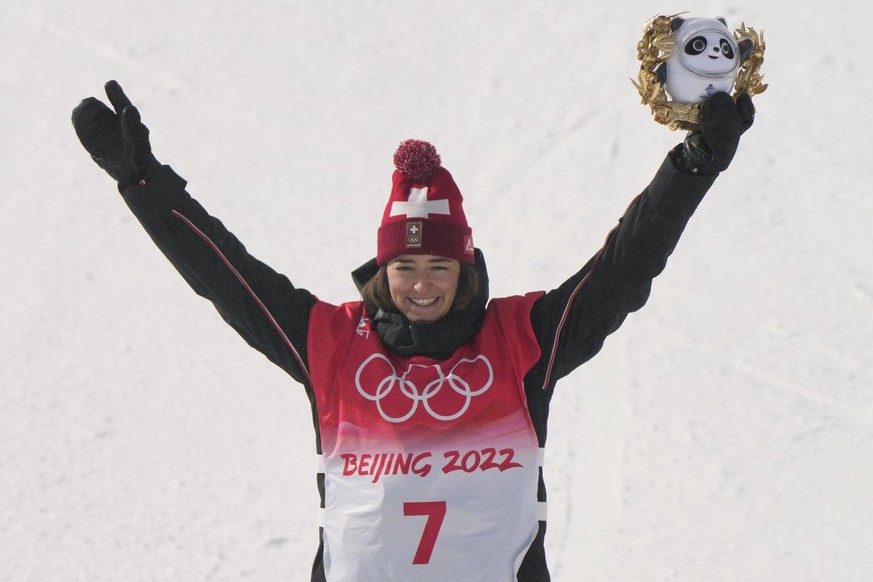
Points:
[(423, 287)]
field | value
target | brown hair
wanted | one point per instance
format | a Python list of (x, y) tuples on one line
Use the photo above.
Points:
[(376, 291)]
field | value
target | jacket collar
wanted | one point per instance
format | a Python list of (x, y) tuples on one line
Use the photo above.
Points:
[(438, 339)]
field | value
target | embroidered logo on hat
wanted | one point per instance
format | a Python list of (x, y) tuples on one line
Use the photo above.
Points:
[(469, 249), (413, 235)]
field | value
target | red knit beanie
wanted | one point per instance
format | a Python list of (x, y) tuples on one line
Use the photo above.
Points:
[(424, 215)]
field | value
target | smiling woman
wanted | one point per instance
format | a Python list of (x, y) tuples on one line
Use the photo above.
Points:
[(423, 287), (379, 291), (430, 401)]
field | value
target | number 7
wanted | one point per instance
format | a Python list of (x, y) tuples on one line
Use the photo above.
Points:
[(435, 512)]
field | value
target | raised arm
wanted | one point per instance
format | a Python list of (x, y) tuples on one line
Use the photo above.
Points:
[(262, 305), (572, 321)]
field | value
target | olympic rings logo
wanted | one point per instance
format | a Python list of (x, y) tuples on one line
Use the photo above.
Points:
[(422, 395)]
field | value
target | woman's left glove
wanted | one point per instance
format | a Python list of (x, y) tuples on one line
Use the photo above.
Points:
[(118, 141), (710, 149)]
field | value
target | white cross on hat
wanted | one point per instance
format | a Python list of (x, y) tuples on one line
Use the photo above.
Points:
[(419, 206)]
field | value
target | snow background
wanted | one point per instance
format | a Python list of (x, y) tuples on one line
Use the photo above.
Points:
[(724, 433)]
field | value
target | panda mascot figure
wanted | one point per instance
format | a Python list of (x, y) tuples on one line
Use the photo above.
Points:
[(705, 60), (691, 59)]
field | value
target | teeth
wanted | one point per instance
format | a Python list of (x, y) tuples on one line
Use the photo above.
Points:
[(423, 302)]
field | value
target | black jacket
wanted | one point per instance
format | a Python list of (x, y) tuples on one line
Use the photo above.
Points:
[(570, 322)]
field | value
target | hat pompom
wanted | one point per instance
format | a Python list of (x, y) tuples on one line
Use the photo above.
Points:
[(417, 159)]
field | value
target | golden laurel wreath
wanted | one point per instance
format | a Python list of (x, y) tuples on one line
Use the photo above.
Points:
[(656, 46)]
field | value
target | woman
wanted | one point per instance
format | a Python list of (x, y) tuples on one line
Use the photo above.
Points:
[(430, 401)]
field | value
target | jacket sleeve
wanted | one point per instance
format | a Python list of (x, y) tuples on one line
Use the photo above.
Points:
[(259, 303), (572, 321)]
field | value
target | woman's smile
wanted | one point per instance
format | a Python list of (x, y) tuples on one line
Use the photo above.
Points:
[(423, 287)]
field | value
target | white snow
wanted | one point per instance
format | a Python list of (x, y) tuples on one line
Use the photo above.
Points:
[(724, 433)]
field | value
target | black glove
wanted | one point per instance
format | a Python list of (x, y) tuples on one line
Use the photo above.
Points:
[(710, 149), (118, 141)]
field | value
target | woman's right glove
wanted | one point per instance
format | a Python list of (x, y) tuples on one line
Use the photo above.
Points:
[(710, 149), (118, 141)]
